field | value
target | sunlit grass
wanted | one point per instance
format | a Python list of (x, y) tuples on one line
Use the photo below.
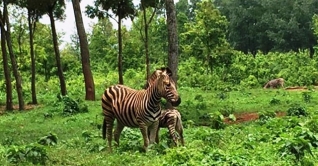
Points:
[(243, 144)]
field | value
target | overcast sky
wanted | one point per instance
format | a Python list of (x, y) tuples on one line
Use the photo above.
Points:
[(68, 25)]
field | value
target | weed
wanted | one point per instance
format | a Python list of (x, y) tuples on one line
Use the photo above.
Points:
[(307, 96), (274, 101), (297, 110)]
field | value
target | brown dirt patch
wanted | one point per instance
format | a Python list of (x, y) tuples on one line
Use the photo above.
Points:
[(299, 88), (246, 117), (27, 107)]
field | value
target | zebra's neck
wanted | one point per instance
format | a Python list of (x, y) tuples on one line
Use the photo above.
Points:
[(154, 98)]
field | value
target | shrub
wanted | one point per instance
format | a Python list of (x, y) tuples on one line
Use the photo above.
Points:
[(274, 101), (72, 106), (307, 97), (297, 110), (50, 139), (34, 153)]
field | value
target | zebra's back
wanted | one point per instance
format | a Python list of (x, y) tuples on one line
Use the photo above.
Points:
[(127, 105)]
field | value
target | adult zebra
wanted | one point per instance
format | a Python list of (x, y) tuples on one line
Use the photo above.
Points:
[(171, 119), (137, 108)]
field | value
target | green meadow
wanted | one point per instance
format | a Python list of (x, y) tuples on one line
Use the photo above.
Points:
[(66, 131)]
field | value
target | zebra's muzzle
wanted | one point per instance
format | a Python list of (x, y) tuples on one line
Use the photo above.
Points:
[(176, 102)]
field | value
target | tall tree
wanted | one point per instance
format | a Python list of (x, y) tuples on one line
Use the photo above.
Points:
[(32, 18), (172, 41), (206, 34), (16, 72), (9, 104), (55, 9), (146, 22), (88, 76), (172, 38), (122, 9)]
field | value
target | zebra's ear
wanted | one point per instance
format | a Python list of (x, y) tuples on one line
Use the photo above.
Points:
[(167, 70)]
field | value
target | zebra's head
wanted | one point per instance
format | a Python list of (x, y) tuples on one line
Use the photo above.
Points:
[(155, 75), (167, 87)]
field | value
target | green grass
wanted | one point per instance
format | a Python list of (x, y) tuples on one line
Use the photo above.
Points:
[(251, 143)]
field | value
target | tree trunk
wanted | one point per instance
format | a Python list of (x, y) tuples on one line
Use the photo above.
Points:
[(9, 105), (120, 50), (57, 55), (88, 76), (172, 40), (13, 60), (31, 34), (146, 42)]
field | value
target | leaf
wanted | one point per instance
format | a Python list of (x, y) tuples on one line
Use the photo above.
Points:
[(232, 117)]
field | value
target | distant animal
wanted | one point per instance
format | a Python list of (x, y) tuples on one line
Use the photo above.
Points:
[(137, 108), (171, 119), (275, 83)]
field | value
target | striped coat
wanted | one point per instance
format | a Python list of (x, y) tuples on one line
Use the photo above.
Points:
[(171, 119), (137, 108)]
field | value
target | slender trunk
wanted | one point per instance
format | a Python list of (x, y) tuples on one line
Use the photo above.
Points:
[(57, 55), (33, 90), (172, 41), (146, 42), (13, 60), (9, 105), (172, 38), (88, 76), (120, 50)]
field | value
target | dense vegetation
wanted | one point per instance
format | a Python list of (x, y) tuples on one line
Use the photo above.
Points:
[(228, 50)]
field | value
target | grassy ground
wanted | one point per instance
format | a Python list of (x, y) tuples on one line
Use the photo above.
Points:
[(267, 141)]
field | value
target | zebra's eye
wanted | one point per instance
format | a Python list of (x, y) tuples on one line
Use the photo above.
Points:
[(169, 84)]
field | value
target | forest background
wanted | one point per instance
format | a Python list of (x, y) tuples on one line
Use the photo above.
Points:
[(221, 44), (221, 52)]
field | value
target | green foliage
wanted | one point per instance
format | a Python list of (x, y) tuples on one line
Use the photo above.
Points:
[(303, 141), (71, 106), (286, 25), (274, 101), (297, 110), (307, 97), (48, 140), (36, 154), (265, 116), (250, 82), (205, 37), (216, 120)]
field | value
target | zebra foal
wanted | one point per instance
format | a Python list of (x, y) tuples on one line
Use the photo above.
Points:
[(137, 108), (171, 119)]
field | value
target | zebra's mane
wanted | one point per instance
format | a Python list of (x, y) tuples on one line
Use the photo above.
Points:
[(153, 77)]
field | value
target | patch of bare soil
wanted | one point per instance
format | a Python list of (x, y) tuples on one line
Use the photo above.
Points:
[(246, 117), (299, 88), (27, 107)]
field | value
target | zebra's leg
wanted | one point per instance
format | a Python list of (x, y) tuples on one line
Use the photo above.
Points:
[(117, 132), (109, 130), (144, 132), (153, 131), (172, 132), (157, 135)]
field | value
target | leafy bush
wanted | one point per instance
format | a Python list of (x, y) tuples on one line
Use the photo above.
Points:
[(297, 110), (264, 116), (250, 82), (34, 153), (307, 97), (72, 106), (216, 119), (303, 141), (50, 139), (274, 101)]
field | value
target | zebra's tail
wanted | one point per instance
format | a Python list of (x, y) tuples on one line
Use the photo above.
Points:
[(104, 129)]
